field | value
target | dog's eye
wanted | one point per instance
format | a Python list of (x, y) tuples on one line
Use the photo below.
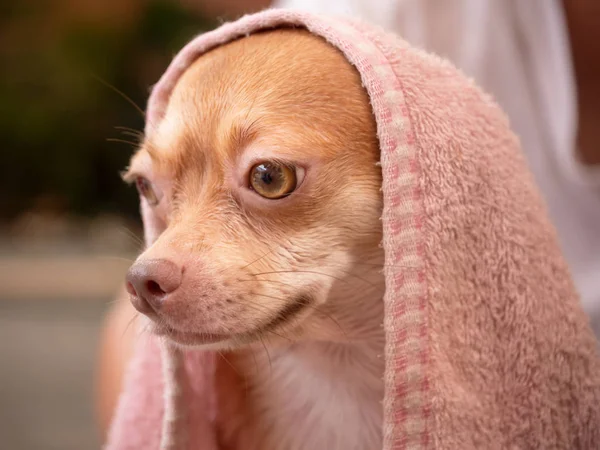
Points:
[(146, 190), (273, 180)]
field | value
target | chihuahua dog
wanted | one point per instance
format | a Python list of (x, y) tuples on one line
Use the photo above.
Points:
[(260, 192)]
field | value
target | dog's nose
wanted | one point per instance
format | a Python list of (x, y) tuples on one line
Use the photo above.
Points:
[(150, 282)]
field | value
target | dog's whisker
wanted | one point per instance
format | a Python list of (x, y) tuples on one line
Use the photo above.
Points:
[(257, 259), (121, 93), (269, 296), (280, 335), (364, 280), (133, 135), (138, 135), (123, 141), (263, 280), (313, 272), (131, 130), (342, 280), (378, 265), (116, 258), (268, 356), (222, 355), (133, 236), (256, 366), (131, 321), (240, 376)]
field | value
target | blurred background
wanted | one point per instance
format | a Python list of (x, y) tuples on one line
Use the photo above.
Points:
[(68, 225)]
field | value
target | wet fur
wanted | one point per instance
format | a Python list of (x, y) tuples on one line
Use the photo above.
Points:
[(314, 380)]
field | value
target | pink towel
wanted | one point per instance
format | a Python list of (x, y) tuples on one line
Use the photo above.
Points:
[(487, 346)]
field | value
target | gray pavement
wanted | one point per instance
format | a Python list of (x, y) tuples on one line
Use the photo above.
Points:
[(47, 357), (54, 290)]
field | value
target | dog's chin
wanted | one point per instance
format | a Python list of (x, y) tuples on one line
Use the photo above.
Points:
[(218, 342), (283, 325), (191, 339)]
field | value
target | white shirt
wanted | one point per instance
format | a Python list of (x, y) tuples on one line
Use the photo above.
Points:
[(518, 51)]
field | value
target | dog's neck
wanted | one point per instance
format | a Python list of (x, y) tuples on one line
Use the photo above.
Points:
[(299, 395)]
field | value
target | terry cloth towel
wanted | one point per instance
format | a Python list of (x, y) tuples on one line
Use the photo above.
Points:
[(487, 346)]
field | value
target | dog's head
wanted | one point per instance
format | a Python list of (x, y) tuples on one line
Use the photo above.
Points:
[(259, 190)]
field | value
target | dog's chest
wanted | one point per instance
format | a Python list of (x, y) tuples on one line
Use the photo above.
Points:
[(316, 399)]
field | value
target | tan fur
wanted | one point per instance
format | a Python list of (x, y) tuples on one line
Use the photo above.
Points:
[(314, 381)]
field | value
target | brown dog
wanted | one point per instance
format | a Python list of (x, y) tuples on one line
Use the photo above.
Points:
[(262, 188)]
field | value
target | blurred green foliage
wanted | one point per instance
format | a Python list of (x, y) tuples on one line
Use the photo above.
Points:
[(56, 114)]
